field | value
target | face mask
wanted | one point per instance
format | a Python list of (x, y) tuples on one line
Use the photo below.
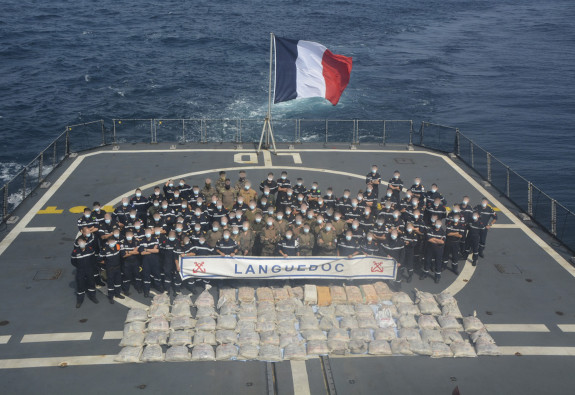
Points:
[(129, 238), (354, 227), (433, 220), (328, 228), (270, 223), (416, 216), (247, 187), (456, 220), (388, 206), (156, 204), (132, 216), (157, 232), (380, 223), (82, 245), (87, 215), (157, 193), (228, 186), (245, 228), (437, 226), (416, 182), (433, 190), (258, 220), (137, 227), (369, 238), (284, 177), (112, 245), (354, 205), (289, 194), (107, 221), (235, 231), (164, 207), (240, 202), (266, 193), (224, 224), (300, 199), (202, 242), (215, 228), (171, 238), (171, 184), (298, 223), (125, 204), (329, 194), (306, 230), (279, 217), (198, 229), (395, 216), (374, 171), (117, 235), (288, 213), (219, 207), (303, 211), (409, 230), (299, 184), (264, 203), (388, 195), (288, 237), (196, 192), (314, 187), (96, 209), (393, 237), (366, 213), (310, 216), (465, 202), (348, 238), (252, 207), (337, 218), (238, 216), (475, 218), (138, 194), (436, 204), (87, 235), (320, 221), (271, 212), (270, 178), (455, 210), (483, 205), (226, 237), (360, 198), (179, 230), (345, 196), (184, 205), (198, 213)]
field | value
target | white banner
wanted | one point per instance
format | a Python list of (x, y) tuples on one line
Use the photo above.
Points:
[(358, 267)]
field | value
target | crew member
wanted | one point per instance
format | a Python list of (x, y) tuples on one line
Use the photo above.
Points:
[(435, 238), (112, 261), (289, 246), (347, 246), (488, 216), (82, 259), (455, 230), (130, 264), (151, 269)]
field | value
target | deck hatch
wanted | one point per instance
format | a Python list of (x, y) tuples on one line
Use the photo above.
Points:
[(404, 161), (48, 274)]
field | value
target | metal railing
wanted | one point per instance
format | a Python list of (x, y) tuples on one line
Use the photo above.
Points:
[(546, 211)]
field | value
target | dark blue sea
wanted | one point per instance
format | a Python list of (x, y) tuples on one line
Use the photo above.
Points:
[(502, 71)]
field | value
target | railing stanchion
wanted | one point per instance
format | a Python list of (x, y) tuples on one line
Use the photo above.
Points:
[(457, 147), (5, 201), (553, 217), (488, 167), (384, 133), (471, 145), (530, 199), (24, 177), (507, 183), (40, 167)]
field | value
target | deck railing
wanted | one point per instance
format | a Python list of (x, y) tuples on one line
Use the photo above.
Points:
[(555, 218)]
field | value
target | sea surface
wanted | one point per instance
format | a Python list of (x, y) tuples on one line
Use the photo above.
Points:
[(502, 71)]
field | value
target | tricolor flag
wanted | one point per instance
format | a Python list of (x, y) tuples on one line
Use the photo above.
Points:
[(308, 69)]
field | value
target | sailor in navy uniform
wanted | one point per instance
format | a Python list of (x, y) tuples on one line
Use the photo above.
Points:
[(151, 269), (82, 259), (199, 218), (300, 188), (122, 211), (185, 189), (183, 248), (283, 184), (270, 183), (436, 208), (474, 231), (140, 203), (396, 185), (329, 198), (370, 197), (432, 194), (369, 246), (348, 246), (87, 220), (435, 238), (172, 278), (176, 201), (112, 260), (130, 264), (394, 247), (156, 195), (411, 240), (373, 179), (313, 195), (418, 190), (98, 213), (455, 230), (488, 216), (354, 213), (288, 246), (343, 204), (169, 189), (226, 246), (94, 244), (194, 195)]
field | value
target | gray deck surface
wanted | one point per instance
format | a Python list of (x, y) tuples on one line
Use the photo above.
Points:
[(539, 292)]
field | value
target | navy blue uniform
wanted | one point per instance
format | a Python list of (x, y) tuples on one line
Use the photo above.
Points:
[(168, 258), (83, 261), (473, 240), (151, 267), (288, 247), (371, 177), (434, 252), (487, 215), (347, 247), (452, 243), (113, 264), (131, 266)]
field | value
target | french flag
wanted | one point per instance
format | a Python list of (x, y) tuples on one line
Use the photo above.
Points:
[(309, 69)]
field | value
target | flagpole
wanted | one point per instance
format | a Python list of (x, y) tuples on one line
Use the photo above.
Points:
[(267, 128)]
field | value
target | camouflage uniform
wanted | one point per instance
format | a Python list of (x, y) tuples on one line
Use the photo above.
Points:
[(326, 242), (213, 237), (269, 237), (246, 241), (306, 243), (339, 226)]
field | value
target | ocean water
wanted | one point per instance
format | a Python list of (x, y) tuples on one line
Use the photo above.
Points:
[(502, 71)]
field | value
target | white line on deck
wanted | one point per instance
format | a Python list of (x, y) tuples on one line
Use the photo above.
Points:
[(516, 328), (505, 226), (299, 377), (113, 335), (463, 278), (56, 337), (56, 361), (524, 350), (5, 339), (40, 229), (567, 327)]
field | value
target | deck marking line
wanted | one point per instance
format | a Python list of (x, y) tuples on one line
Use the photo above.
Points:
[(127, 301), (267, 158), (56, 337), (505, 226), (567, 327), (462, 279), (300, 378), (40, 229), (5, 339), (516, 328), (50, 210), (113, 335), (56, 361)]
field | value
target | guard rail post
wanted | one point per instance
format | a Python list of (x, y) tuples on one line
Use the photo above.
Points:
[(24, 177), (471, 145), (410, 133), (384, 133), (507, 182), (553, 217), (103, 132), (40, 166), (530, 198), (5, 201), (457, 148), (488, 167)]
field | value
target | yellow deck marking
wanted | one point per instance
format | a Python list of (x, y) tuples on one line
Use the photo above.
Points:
[(50, 210), (77, 209)]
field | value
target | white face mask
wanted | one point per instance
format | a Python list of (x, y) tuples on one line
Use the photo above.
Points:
[(328, 228), (348, 238), (270, 223), (129, 238), (245, 228), (306, 230), (393, 237), (288, 237)]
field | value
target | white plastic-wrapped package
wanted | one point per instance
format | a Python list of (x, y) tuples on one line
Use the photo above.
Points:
[(152, 353), (248, 351), (159, 310), (420, 347), (307, 323), (409, 334), (354, 295), (429, 307), (338, 347), (136, 326), (338, 334), (472, 324), (313, 334), (363, 311), (178, 354), (249, 337), (202, 337), (383, 291), (401, 297), (180, 323), (421, 296), (226, 336), (129, 354), (285, 306), (289, 339), (449, 322), (361, 334), (327, 323), (203, 352), (338, 295), (309, 294), (357, 347), (264, 294), (462, 350), (161, 299), (481, 335), (451, 309), (270, 353), (286, 328), (248, 312), (408, 309), (445, 298), (342, 310), (367, 322), (226, 352), (180, 338), (400, 347), (269, 337), (280, 294), (227, 295), (265, 326), (451, 336), (348, 322), (384, 318), (206, 324), (295, 352), (137, 315), (158, 324), (181, 310), (243, 325), (379, 347), (406, 321), (486, 348), (387, 334), (206, 311), (427, 322), (183, 299), (133, 339), (317, 347), (440, 350), (369, 294), (431, 335), (205, 299), (160, 338), (226, 322), (246, 295)]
